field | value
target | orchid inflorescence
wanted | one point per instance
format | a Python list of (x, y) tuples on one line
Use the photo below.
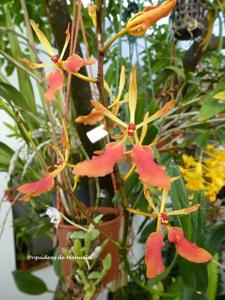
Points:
[(71, 65), (129, 143), (207, 173)]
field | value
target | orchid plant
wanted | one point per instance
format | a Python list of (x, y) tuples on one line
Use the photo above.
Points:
[(124, 142)]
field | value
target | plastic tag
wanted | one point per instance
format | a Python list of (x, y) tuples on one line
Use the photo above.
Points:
[(97, 134)]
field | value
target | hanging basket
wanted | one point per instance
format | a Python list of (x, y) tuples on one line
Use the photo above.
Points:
[(189, 18)]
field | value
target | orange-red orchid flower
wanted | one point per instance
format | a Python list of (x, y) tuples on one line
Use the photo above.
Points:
[(46, 184), (153, 254), (141, 21), (154, 244), (187, 249), (72, 64), (149, 171)]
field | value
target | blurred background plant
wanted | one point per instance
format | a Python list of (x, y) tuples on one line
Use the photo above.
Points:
[(192, 72)]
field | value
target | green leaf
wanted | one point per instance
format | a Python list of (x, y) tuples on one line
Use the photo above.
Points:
[(57, 263), (78, 235), (94, 234), (12, 95), (175, 287), (42, 229), (107, 261), (202, 140), (190, 294), (178, 71), (210, 108), (213, 274), (215, 238), (179, 198), (15, 98), (194, 276), (199, 219), (94, 275), (6, 154), (28, 283), (98, 219), (14, 116), (25, 84)]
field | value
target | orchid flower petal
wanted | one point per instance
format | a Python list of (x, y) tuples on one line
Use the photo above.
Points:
[(66, 42), (142, 213), (144, 129), (36, 188), (42, 38), (149, 171), (55, 82), (108, 90), (94, 117), (108, 113), (103, 164), (132, 95), (73, 63), (184, 211), (153, 254), (160, 113), (122, 82), (33, 65), (187, 249)]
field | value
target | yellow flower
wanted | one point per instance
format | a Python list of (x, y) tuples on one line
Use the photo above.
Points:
[(188, 160), (208, 174)]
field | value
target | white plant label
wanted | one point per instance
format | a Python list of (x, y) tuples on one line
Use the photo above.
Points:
[(97, 134)]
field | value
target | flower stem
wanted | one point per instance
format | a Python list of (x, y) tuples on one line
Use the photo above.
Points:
[(112, 40), (72, 223)]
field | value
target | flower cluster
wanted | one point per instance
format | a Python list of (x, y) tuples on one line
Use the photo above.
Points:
[(206, 174)]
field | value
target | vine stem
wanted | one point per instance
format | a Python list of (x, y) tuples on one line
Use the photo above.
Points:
[(84, 211), (72, 223)]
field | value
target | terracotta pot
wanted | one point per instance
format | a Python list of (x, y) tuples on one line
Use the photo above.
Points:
[(111, 228)]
